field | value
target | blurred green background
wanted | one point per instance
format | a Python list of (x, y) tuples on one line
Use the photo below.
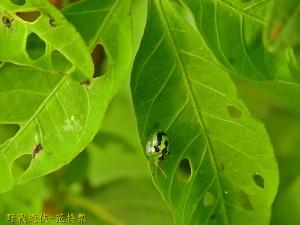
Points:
[(110, 180)]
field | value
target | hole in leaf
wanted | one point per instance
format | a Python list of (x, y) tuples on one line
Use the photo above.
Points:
[(18, 2), (259, 180), (244, 200), (234, 112), (209, 199), (21, 164), (35, 47), (29, 16), (7, 131), (184, 170), (60, 62), (100, 60)]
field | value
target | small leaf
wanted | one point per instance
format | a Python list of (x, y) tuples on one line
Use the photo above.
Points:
[(179, 88)]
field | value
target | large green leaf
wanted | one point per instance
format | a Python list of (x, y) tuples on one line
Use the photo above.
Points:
[(221, 168), (55, 36), (283, 29), (233, 31), (58, 113)]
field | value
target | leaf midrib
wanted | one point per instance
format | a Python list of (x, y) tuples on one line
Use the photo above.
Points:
[(194, 103), (47, 99), (60, 83)]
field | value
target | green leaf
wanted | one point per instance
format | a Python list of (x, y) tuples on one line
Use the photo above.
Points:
[(221, 168), (24, 199), (287, 206), (124, 202), (35, 33), (233, 31), (115, 150), (276, 104), (283, 29), (58, 116)]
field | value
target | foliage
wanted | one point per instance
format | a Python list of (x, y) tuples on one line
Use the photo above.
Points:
[(218, 78)]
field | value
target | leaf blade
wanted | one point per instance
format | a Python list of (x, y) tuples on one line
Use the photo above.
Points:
[(233, 31), (61, 123), (57, 35), (179, 88)]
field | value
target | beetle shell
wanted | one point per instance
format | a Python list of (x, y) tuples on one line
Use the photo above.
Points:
[(157, 145)]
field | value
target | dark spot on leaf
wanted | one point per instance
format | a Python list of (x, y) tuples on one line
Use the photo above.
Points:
[(208, 199), (213, 217), (221, 167), (7, 131), (35, 47), (7, 21), (18, 2), (244, 201), (234, 112), (231, 60), (21, 164), (275, 32), (59, 62), (52, 21), (87, 82), (259, 180), (100, 60), (29, 16), (36, 150), (184, 170)]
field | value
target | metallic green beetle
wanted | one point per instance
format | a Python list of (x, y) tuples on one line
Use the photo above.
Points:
[(157, 148)]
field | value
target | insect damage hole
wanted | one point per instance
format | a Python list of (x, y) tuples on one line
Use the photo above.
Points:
[(100, 60), (21, 164), (29, 16), (234, 112), (35, 47), (244, 201), (7, 131), (18, 2), (259, 180), (184, 170)]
